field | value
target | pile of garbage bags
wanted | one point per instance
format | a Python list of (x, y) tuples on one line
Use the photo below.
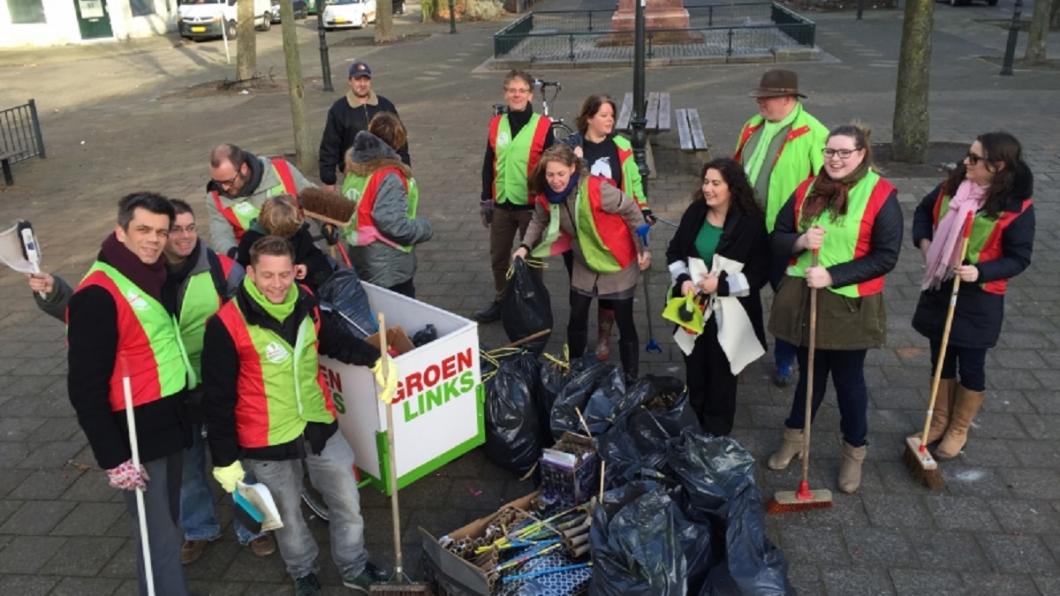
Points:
[(681, 513)]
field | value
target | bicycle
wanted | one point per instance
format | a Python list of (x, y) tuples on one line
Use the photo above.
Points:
[(560, 129)]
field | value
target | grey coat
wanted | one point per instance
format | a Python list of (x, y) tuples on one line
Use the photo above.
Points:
[(379, 263)]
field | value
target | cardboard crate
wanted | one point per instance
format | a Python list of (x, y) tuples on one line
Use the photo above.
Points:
[(438, 411)]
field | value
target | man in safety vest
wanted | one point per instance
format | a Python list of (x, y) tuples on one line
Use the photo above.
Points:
[(779, 148), (239, 184), (513, 148), (267, 403), (125, 350)]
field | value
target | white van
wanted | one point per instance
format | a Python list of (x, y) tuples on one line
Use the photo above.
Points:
[(197, 19)]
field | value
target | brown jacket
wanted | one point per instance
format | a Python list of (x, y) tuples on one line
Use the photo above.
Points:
[(843, 323)]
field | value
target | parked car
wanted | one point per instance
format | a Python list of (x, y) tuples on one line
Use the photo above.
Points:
[(301, 10), (199, 19), (967, 2), (342, 14)]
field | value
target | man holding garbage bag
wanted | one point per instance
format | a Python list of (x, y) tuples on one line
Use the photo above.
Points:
[(267, 403)]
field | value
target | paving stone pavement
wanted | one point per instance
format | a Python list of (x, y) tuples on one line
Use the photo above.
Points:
[(114, 122)]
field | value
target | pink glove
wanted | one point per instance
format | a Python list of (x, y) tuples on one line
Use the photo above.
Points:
[(127, 477)]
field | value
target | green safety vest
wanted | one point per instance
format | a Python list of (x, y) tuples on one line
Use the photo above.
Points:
[(200, 302), (631, 181), (362, 190), (514, 159)]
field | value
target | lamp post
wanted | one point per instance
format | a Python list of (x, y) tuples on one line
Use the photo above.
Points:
[(637, 121), (325, 62), (1013, 33), (452, 17)]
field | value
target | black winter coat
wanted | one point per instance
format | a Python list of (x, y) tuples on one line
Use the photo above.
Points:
[(977, 320), (743, 239), (344, 122)]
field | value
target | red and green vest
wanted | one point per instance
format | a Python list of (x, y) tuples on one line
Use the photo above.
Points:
[(280, 387), (631, 182), (604, 238), (984, 244), (243, 212), (200, 302), (514, 159), (149, 342), (363, 191), (848, 237)]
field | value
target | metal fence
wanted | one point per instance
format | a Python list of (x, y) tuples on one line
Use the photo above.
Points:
[(20, 132)]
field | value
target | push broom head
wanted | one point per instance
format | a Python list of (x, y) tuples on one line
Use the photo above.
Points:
[(328, 207), (786, 501), (921, 465)]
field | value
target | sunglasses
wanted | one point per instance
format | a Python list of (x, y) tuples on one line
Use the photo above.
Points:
[(974, 159)]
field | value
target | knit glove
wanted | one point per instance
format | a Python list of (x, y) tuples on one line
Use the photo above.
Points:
[(388, 383), (229, 476), (127, 477), (485, 211)]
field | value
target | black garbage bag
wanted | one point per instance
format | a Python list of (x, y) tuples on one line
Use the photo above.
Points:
[(652, 425), (589, 379), (636, 543), (526, 307), (513, 439), (701, 552), (551, 381), (752, 563), (345, 294), (712, 470)]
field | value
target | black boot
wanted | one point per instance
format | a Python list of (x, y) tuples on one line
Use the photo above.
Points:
[(629, 352), (576, 341), (489, 314)]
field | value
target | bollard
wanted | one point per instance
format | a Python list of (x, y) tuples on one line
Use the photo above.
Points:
[(861, 8), (452, 17), (325, 62), (1013, 33)]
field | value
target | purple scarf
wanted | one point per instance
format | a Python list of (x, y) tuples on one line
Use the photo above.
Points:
[(148, 278), (944, 253)]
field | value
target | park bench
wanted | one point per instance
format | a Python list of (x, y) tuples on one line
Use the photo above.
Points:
[(5, 163), (690, 130), (656, 115)]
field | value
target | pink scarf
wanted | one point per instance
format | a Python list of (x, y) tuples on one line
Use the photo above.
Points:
[(944, 252)]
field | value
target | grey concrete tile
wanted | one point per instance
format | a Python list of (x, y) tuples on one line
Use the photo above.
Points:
[(965, 480), (1032, 483), (1041, 426), (877, 546), (45, 484), (1017, 554), (1026, 516), (961, 513), (989, 584), (27, 585), (805, 578), (822, 546), (86, 586), (956, 551), (51, 455), (18, 429), (856, 581), (1047, 584), (11, 478), (27, 554), (894, 511), (988, 452), (83, 556), (89, 519), (926, 581), (92, 486), (1036, 454), (36, 517)]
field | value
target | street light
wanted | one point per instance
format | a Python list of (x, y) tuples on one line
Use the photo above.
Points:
[(638, 121)]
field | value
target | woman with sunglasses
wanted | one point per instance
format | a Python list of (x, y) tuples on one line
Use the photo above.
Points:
[(996, 185), (843, 230)]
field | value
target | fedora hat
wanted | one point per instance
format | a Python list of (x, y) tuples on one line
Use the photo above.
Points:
[(777, 83)]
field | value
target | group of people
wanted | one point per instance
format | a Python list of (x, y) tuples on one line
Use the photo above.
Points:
[(220, 344)]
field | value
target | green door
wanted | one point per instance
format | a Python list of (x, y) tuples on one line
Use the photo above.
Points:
[(93, 19)]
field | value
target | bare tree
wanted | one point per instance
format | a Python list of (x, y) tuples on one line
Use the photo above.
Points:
[(1039, 31), (384, 21), (305, 150), (910, 126), (246, 44)]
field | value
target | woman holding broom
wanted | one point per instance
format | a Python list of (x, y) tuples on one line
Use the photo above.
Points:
[(843, 229), (996, 185)]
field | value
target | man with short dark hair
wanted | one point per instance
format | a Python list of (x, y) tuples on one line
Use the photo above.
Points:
[(122, 325), (349, 116), (267, 403)]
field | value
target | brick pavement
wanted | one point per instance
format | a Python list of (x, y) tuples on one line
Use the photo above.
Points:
[(994, 529)]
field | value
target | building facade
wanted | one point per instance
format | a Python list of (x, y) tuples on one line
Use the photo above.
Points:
[(59, 22)]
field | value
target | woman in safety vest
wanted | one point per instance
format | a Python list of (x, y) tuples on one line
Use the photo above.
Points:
[(843, 230), (725, 220), (610, 156), (996, 185), (599, 221)]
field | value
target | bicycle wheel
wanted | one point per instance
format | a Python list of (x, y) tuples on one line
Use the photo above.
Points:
[(560, 130)]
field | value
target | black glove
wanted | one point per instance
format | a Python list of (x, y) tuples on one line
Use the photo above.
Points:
[(485, 211), (648, 217), (331, 233)]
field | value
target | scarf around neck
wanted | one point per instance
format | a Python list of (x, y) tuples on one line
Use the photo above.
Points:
[(754, 163), (557, 198), (280, 311), (149, 278), (945, 251)]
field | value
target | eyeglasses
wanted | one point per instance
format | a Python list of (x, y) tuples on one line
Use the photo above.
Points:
[(230, 181), (842, 153), (974, 159)]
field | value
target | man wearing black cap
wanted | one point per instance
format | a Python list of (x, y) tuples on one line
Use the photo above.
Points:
[(348, 116), (779, 147)]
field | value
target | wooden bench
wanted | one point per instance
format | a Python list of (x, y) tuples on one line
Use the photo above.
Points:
[(657, 112), (5, 163), (690, 130)]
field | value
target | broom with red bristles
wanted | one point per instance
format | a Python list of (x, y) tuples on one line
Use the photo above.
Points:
[(787, 501), (916, 456)]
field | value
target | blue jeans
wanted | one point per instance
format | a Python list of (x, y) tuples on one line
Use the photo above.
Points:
[(847, 368), (196, 500), (332, 474), (783, 352)]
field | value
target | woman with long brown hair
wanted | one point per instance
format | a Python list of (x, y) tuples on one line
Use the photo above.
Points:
[(843, 230)]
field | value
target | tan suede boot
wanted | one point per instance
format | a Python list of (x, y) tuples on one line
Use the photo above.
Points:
[(790, 446), (966, 406), (850, 459), (606, 320), (940, 417)]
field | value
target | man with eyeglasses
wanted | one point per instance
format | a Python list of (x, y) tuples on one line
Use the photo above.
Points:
[(240, 182), (779, 147)]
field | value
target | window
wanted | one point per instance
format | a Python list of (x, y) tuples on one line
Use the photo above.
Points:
[(26, 11), (142, 8)]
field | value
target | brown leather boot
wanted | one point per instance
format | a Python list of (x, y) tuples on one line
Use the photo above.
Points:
[(789, 448), (606, 319), (966, 406), (850, 459), (940, 417)]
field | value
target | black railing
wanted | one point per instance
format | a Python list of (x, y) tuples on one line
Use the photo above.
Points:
[(506, 39), (794, 24), (20, 132)]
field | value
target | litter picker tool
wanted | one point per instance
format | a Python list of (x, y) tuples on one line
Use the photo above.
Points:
[(399, 583), (652, 346), (785, 501), (19, 249), (916, 456), (141, 511)]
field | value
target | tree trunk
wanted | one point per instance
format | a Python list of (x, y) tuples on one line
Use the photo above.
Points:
[(910, 137), (246, 46), (1038, 32), (384, 21), (305, 154), (1055, 20)]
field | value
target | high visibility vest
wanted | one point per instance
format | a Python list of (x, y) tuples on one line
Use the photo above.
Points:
[(241, 214), (202, 297), (514, 159), (984, 243), (604, 238), (280, 387), (150, 349), (631, 181), (848, 237), (363, 190)]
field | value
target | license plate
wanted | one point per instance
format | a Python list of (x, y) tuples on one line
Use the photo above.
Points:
[(341, 20), (198, 29)]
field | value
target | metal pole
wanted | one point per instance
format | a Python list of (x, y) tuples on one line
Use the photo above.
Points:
[(36, 128), (452, 17), (325, 61), (861, 8), (638, 121), (1013, 33)]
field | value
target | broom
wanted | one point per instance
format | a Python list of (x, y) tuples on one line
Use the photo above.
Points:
[(785, 501), (917, 458), (400, 583), (329, 208)]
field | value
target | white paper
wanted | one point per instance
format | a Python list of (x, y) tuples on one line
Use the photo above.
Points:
[(685, 340), (260, 497), (11, 252)]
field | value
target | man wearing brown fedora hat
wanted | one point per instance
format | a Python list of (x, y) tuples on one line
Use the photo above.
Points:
[(779, 147)]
